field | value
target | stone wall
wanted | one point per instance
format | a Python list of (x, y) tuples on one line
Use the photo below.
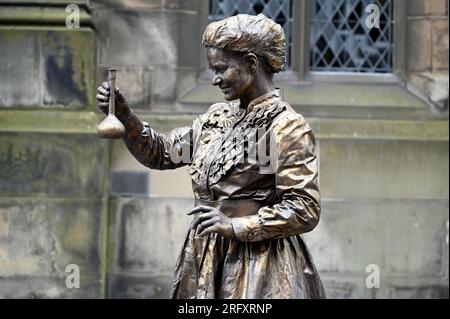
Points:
[(66, 196), (427, 47), (53, 167)]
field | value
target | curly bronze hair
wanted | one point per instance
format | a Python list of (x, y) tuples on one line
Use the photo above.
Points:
[(247, 33)]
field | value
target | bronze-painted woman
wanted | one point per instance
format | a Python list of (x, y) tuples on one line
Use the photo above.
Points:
[(254, 173)]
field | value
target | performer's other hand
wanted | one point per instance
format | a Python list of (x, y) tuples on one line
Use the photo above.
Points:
[(122, 108), (212, 220)]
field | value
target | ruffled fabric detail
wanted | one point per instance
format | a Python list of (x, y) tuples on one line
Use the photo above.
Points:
[(215, 125), (218, 155), (234, 149)]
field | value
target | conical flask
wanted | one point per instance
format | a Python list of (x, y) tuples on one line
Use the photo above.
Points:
[(111, 127)]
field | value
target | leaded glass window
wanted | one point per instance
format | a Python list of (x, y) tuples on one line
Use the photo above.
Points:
[(340, 39), (278, 10)]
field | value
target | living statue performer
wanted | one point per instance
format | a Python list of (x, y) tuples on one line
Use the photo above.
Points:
[(250, 209)]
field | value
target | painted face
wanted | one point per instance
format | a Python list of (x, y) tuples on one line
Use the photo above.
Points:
[(231, 74)]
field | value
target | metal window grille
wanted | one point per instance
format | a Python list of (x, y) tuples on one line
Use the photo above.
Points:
[(278, 10), (340, 40)]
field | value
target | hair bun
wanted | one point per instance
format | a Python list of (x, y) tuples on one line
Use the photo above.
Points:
[(248, 33)]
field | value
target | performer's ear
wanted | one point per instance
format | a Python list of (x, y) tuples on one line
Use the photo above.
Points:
[(252, 62)]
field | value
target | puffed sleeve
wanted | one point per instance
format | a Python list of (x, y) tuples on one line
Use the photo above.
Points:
[(295, 165), (160, 151)]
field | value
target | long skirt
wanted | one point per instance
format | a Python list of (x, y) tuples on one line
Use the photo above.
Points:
[(215, 267)]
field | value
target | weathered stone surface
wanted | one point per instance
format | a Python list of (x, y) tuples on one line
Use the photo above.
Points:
[(427, 7), (342, 100), (420, 292), (169, 183), (348, 288), (186, 78), (384, 169), (19, 85), (69, 70), (135, 4), (40, 237), (147, 234), (138, 286), (150, 38), (51, 165), (419, 44), (404, 238), (192, 5), (440, 44), (135, 82), (176, 183), (45, 13), (122, 160), (129, 183), (47, 288), (341, 286), (47, 68), (158, 39), (164, 91), (434, 86)]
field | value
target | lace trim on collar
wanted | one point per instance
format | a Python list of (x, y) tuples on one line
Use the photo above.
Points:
[(219, 156)]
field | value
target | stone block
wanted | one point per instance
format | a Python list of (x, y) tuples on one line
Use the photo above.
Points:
[(160, 40), (418, 45), (19, 85), (135, 83), (122, 159), (138, 286), (341, 287), (434, 85), (135, 4), (69, 60), (139, 38), (176, 183), (164, 90), (404, 238), (188, 38), (185, 81), (421, 292), (191, 5), (47, 68), (51, 165), (41, 237), (440, 44), (47, 288), (384, 169), (147, 234), (427, 7)]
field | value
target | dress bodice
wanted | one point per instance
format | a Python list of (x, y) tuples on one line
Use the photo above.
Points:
[(232, 148)]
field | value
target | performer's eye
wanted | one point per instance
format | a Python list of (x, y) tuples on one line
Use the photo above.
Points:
[(219, 70)]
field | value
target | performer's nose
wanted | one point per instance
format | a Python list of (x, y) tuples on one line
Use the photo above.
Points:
[(216, 80)]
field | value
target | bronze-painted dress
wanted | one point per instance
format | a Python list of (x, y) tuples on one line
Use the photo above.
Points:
[(271, 199)]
